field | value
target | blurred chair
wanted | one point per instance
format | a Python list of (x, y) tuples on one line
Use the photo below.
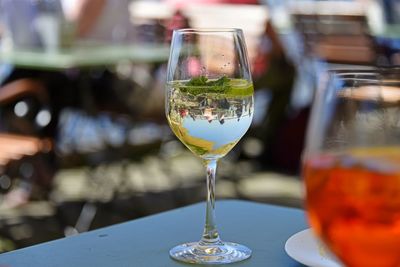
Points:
[(23, 152), (335, 31)]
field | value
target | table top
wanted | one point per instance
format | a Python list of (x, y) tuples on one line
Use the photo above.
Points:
[(85, 56), (146, 241)]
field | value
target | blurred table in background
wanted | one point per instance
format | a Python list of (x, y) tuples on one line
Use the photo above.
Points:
[(85, 56), (146, 242)]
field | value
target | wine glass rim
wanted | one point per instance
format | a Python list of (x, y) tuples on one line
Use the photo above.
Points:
[(207, 30)]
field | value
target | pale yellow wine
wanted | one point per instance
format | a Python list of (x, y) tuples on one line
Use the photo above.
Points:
[(210, 116)]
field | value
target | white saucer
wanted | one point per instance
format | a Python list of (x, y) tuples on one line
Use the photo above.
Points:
[(306, 249)]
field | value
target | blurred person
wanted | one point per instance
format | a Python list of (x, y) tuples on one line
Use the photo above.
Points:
[(179, 21), (101, 20), (52, 23), (281, 129), (31, 24)]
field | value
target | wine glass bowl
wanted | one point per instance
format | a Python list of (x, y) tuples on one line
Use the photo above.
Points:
[(209, 107), (352, 166)]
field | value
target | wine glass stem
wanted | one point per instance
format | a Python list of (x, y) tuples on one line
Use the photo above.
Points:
[(210, 234)]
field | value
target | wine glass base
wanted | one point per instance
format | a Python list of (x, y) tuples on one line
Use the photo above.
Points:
[(222, 253)]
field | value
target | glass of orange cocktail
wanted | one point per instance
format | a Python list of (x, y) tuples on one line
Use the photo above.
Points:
[(351, 166)]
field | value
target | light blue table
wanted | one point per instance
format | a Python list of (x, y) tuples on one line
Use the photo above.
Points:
[(146, 241)]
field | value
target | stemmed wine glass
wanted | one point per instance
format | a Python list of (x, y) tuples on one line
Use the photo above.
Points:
[(209, 107), (352, 166)]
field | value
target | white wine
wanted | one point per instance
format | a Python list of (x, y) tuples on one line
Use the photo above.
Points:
[(210, 116)]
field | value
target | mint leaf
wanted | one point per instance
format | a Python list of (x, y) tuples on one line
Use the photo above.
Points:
[(198, 81)]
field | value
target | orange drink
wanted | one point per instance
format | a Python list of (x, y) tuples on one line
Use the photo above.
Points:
[(353, 203)]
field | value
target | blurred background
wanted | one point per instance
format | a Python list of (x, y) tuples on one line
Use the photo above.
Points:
[(84, 142)]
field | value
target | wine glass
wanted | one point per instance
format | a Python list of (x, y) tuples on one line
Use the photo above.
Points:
[(352, 166), (209, 107)]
